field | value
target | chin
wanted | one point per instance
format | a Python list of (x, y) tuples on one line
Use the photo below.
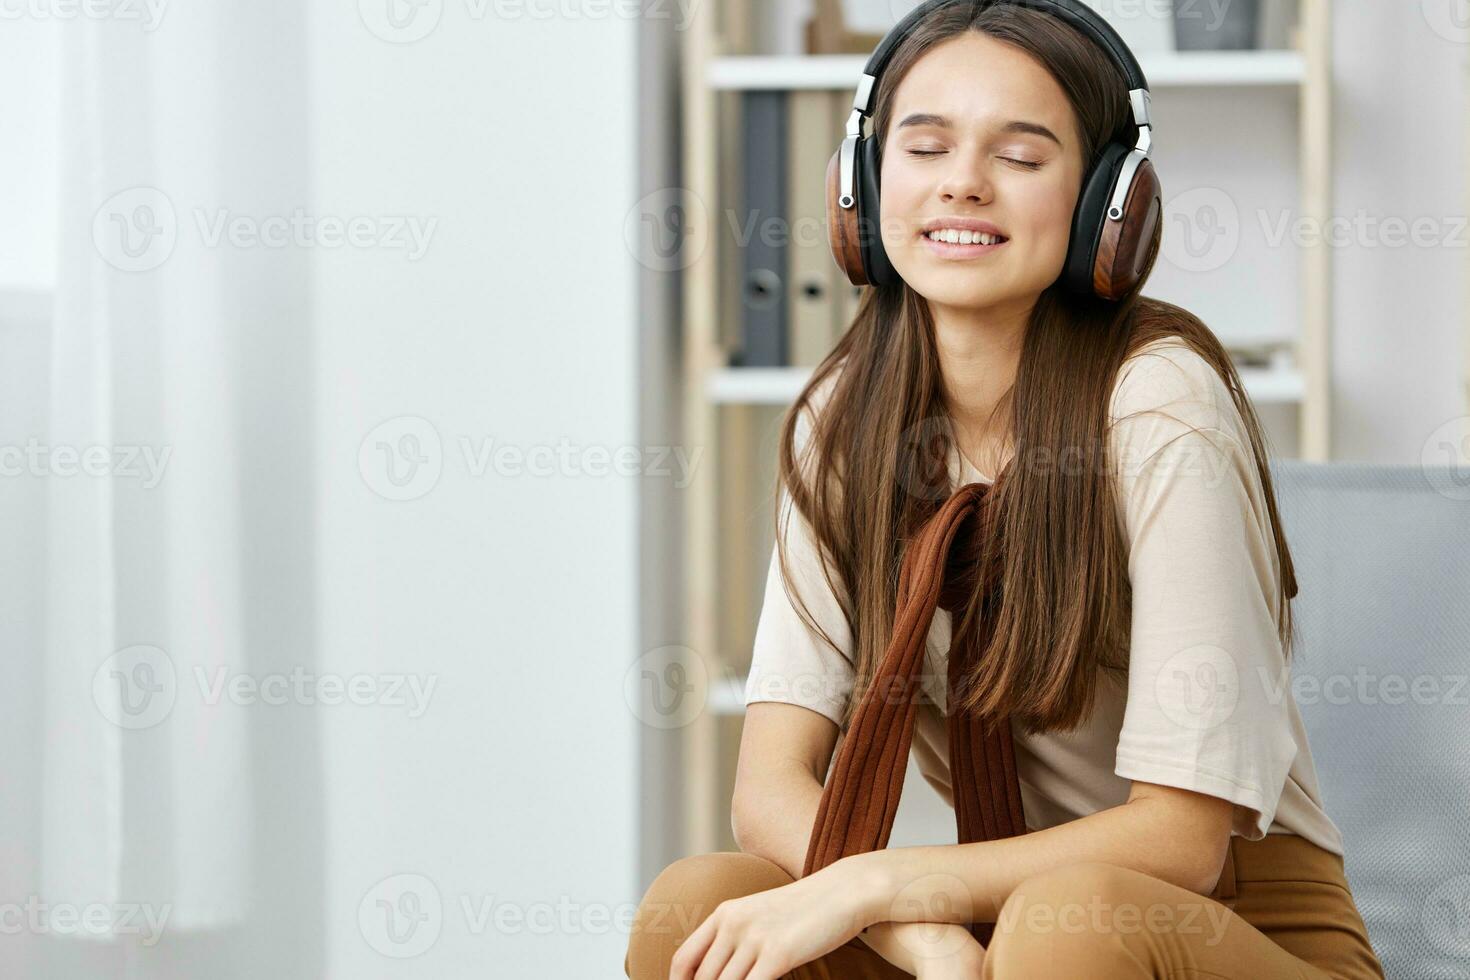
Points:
[(962, 288), (969, 287), (967, 297)]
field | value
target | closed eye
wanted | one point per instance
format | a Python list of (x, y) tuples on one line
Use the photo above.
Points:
[(1020, 163)]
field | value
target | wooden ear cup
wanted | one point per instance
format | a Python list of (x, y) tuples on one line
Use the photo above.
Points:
[(1105, 258), (854, 233), (1123, 245), (842, 227)]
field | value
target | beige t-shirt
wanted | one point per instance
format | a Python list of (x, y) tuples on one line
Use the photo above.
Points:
[(1208, 704)]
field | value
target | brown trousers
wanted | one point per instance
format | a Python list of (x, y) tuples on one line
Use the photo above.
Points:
[(1282, 909)]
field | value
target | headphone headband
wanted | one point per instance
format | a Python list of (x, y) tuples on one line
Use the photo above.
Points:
[(1074, 12)]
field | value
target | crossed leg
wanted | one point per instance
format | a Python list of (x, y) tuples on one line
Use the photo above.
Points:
[(687, 891), (1105, 922), (1089, 920)]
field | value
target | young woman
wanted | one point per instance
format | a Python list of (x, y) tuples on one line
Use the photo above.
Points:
[(1174, 822)]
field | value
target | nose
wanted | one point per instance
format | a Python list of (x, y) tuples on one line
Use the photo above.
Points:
[(966, 180)]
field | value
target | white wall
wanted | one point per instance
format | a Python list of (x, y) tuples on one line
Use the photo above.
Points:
[(29, 84), (520, 593), (1401, 320), (1400, 317)]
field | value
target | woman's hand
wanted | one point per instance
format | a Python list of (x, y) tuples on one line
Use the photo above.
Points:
[(769, 934)]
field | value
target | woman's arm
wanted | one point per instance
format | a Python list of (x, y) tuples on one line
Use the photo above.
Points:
[(1174, 834), (776, 800)]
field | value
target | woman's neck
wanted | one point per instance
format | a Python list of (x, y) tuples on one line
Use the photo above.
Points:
[(979, 351)]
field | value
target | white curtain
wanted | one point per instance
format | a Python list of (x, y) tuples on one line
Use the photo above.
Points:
[(167, 519)]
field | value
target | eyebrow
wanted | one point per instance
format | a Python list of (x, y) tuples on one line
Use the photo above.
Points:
[(1014, 126)]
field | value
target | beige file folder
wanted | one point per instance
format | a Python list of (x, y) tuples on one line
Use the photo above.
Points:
[(812, 298)]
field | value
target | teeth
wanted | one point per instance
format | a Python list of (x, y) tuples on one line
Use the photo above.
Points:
[(957, 237)]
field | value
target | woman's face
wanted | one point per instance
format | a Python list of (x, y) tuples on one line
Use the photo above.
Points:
[(980, 131)]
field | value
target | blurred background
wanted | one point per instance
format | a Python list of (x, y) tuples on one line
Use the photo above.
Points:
[(389, 394)]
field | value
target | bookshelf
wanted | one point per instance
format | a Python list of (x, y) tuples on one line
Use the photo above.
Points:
[(1276, 385), (837, 72), (723, 406)]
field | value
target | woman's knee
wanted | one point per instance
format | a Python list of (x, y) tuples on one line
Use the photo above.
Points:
[(682, 896), (1052, 920)]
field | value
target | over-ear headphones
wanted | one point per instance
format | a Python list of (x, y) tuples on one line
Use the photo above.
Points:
[(1117, 210)]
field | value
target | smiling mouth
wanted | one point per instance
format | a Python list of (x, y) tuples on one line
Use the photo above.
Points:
[(956, 237), (968, 246)]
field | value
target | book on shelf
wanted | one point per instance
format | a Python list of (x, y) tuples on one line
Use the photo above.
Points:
[(813, 273), (760, 232), (791, 301)]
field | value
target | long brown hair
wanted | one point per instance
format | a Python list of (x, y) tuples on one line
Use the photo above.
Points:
[(866, 480)]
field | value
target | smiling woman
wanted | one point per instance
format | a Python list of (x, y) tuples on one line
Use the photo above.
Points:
[(1093, 696)]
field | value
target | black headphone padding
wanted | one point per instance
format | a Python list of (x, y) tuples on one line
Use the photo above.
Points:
[(1087, 218), (875, 258)]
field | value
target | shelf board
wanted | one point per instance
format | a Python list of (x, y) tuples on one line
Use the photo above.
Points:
[(1178, 69), (727, 696), (780, 386), (1273, 386), (756, 386)]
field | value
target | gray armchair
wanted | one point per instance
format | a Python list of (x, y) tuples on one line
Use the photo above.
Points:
[(1382, 555)]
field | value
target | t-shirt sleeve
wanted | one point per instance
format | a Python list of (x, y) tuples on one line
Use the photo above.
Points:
[(791, 662), (1207, 706)]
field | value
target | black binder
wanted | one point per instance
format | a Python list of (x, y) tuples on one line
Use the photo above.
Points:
[(761, 231)]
